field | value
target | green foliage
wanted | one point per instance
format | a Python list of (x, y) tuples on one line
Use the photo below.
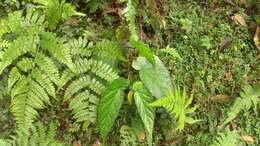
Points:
[(58, 67), (33, 72), (94, 5), (227, 138), (143, 50), (174, 55), (56, 10), (108, 51), (36, 135), (130, 14), (147, 113), (85, 81), (249, 97), (155, 77), (177, 105), (127, 136), (109, 105), (36, 58)]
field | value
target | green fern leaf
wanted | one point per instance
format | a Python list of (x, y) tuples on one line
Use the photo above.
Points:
[(108, 51), (177, 105), (127, 136), (33, 74), (56, 10), (83, 107), (80, 47), (130, 13), (56, 47), (250, 97), (84, 82), (36, 135), (228, 138)]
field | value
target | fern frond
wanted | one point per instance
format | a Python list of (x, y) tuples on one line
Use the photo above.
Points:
[(25, 64), (45, 82), (84, 86), (130, 13), (80, 47), (176, 104), (34, 71), (34, 21), (12, 24), (56, 10), (82, 83), (127, 136), (83, 107), (249, 97), (91, 67), (108, 51), (18, 47), (27, 96), (56, 47), (48, 67), (227, 138), (36, 135), (103, 70), (3, 44)]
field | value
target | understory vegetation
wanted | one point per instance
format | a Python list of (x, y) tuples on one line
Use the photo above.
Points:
[(129, 73)]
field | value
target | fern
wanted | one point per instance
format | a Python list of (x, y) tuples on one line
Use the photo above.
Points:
[(80, 47), (127, 136), (84, 82), (130, 14), (108, 51), (56, 47), (250, 97), (42, 66), (3, 44), (56, 10), (176, 103), (228, 138), (36, 135), (33, 70)]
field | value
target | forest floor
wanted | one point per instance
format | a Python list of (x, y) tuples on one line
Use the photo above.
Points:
[(211, 47)]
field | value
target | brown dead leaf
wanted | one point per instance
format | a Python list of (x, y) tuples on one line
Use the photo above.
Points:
[(257, 37), (247, 138), (234, 124), (229, 75), (243, 2), (76, 143), (231, 2), (221, 98), (226, 42), (72, 21), (239, 19), (97, 143), (173, 141), (141, 136)]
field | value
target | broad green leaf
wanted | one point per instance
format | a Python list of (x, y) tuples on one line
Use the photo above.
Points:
[(109, 105), (155, 77), (142, 99), (143, 50)]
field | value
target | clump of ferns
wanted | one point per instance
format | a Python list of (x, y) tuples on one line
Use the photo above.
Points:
[(43, 66)]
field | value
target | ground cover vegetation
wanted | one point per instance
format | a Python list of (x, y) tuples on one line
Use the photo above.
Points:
[(129, 72)]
